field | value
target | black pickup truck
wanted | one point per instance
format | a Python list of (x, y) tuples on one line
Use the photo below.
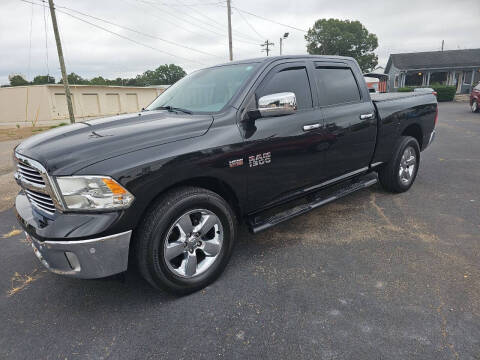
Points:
[(258, 141)]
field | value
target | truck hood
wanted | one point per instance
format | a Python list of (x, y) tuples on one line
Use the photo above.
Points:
[(67, 149)]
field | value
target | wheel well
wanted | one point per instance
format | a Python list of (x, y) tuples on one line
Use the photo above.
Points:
[(212, 184), (415, 131)]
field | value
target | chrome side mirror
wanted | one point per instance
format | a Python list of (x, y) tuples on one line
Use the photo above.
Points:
[(277, 104)]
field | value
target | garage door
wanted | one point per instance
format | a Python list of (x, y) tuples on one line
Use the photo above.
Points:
[(112, 104), (91, 104), (132, 103)]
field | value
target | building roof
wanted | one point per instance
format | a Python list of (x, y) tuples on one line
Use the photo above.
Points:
[(435, 59)]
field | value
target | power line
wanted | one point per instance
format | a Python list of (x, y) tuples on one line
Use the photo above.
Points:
[(272, 21), (201, 25), (220, 25), (250, 25), (138, 32), (46, 42), (119, 35)]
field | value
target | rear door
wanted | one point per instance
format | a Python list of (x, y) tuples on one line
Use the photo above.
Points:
[(350, 122), (284, 153)]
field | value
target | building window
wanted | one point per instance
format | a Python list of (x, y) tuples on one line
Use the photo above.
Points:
[(414, 79), (438, 78), (395, 82), (467, 77)]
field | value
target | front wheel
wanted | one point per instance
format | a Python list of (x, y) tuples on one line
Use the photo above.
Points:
[(186, 240), (400, 172)]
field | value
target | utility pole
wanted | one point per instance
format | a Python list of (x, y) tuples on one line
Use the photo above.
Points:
[(229, 15), (443, 43), (68, 95), (266, 46), (281, 41)]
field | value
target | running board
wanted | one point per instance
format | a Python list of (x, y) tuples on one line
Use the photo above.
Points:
[(257, 223)]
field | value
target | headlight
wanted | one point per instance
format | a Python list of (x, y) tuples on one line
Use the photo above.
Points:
[(93, 193)]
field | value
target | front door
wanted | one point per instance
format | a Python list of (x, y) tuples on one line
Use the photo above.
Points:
[(283, 153)]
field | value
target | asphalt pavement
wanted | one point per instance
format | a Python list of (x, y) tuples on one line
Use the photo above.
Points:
[(372, 276)]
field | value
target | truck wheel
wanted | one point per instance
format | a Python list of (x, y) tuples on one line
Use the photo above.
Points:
[(475, 107), (185, 240), (400, 172)]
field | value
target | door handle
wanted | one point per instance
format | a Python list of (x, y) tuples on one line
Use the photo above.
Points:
[(310, 127), (366, 116)]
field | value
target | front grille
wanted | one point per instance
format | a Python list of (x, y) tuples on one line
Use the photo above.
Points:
[(33, 179), (42, 201), (30, 174)]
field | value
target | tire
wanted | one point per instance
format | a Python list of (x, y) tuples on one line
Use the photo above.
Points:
[(474, 107), (161, 236), (390, 176)]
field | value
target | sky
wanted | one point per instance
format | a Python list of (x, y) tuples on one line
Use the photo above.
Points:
[(193, 33)]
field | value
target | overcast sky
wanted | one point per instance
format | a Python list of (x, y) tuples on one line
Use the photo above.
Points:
[(401, 26)]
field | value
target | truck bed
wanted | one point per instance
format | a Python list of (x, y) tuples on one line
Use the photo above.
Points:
[(378, 97)]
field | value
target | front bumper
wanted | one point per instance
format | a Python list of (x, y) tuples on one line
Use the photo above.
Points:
[(85, 259)]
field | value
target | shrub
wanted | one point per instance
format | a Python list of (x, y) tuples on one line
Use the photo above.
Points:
[(444, 92), (405, 89)]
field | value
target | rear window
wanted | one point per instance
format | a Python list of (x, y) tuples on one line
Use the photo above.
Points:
[(336, 86)]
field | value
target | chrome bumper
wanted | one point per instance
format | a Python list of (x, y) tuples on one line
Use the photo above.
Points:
[(85, 259)]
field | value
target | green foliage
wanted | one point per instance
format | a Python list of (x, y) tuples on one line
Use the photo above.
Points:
[(43, 79), (345, 38), (444, 92), (405, 89), (18, 80), (163, 75)]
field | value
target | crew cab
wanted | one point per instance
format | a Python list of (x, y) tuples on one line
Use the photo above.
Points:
[(255, 141)]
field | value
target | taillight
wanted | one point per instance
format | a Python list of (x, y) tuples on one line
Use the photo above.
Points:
[(434, 93), (436, 117)]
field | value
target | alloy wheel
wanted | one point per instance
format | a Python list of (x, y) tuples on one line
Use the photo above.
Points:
[(408, 163), (193, 243)]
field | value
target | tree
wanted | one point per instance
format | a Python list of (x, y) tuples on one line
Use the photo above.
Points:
[(345, 38), (43, 79), (18, 80), (163, 75), (74, 79), (98, 81)]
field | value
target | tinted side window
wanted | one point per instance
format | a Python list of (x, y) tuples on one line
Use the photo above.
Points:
[(289, 80), (336, 86)]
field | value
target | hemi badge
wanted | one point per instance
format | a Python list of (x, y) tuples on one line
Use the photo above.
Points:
[(235, 163)]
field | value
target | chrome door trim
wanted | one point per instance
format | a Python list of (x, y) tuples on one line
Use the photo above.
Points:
[(366, 116), (311, 127)]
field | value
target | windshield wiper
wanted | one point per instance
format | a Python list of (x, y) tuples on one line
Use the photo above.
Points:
[(173, 109)]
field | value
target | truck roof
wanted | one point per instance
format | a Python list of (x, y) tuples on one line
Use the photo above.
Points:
[(269, 59)]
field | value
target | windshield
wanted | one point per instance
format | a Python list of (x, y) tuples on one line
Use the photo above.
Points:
[(207, 90)]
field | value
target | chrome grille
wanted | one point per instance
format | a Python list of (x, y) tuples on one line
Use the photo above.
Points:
[(40, 200), (34, 180), (30, 174)]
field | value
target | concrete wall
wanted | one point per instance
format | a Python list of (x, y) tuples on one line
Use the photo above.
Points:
[(46, 104)]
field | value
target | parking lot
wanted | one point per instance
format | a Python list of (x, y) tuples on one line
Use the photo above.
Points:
[(372, 276)]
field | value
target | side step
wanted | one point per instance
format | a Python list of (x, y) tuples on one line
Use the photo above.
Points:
[(258, 223)]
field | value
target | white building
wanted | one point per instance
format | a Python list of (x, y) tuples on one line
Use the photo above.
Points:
[(46, 104)]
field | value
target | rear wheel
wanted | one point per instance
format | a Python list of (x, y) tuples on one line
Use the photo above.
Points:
[(186, 240), (400, 172), (474, 106)]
